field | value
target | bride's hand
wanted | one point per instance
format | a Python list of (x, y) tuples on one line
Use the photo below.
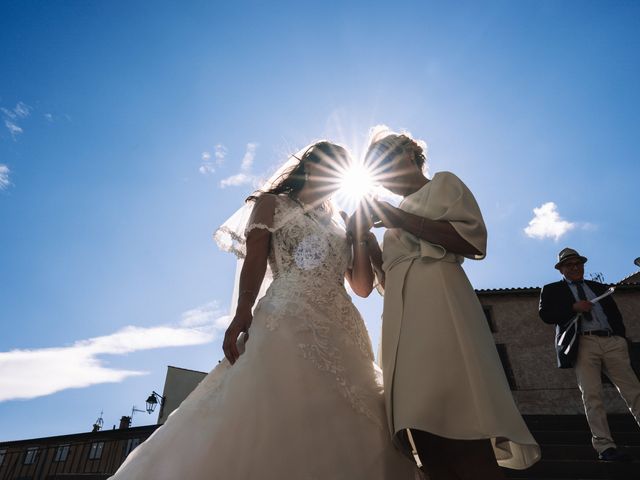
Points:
[(360, 222), (240, 323), (347, 224)]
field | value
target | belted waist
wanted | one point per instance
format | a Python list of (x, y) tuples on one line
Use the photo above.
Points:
[(389, 264), (598, 333)]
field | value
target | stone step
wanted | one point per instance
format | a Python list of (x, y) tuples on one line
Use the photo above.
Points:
[(561, 437), (578, 469), (622, 423), (580, 452)]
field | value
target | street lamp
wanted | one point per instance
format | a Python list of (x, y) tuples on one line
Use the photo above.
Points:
[(152, 402), (637, 262)]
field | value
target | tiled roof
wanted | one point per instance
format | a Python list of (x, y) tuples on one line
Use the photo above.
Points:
[(625, 285), (633, 278)]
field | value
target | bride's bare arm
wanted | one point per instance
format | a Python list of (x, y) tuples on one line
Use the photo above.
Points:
[(375, 255), (255, 265), (360, 276)]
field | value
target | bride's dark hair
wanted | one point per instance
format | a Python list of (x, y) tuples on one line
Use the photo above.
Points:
[(291, 181)]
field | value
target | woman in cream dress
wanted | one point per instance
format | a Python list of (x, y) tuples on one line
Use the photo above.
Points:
[(304, 401), (442, 375)]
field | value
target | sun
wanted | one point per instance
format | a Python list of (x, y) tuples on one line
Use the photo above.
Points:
[(356, 182)]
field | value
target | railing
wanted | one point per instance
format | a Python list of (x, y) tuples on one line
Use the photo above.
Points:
[(91, 460)]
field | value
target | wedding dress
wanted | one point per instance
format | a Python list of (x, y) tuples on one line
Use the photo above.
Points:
[(305, 399)]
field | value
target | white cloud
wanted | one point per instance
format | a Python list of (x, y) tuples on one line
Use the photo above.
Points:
[(220, 153), (204, 315), (4, 177), (245, 176), (20, 111), (31, 373), (249, 156), (14, 129), (206, 167), (48, 117), (547, 223), (236, 180)]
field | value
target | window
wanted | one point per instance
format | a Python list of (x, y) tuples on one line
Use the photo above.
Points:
[(132, 443), (488, 313), (30, 456), (3, 453), (96, 450), (62, 452), (506, 365)]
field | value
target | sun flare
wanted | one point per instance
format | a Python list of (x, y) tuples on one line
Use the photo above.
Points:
[(356, 183)]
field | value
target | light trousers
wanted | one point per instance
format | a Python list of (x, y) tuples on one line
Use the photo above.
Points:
[(611, 355)]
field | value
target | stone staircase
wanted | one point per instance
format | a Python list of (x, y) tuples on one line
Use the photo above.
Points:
[(567, 453)]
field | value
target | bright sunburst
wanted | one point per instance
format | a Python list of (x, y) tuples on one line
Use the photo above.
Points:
[(355, 184)]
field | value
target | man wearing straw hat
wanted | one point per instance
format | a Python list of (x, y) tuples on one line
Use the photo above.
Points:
[(590, 337)]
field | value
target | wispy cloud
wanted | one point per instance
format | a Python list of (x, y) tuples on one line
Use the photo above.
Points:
[(547, 223), (12, 116), (14, 129), (4, 176), (207, 164), (220, 153), (244, 176), (31, 373)]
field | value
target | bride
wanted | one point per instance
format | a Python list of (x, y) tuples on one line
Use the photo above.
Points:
[(298, 395)]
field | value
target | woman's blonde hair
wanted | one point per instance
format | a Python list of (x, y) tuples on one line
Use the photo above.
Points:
[(383, 141)]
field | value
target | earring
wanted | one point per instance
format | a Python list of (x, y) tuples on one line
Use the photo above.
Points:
[(306, 176)]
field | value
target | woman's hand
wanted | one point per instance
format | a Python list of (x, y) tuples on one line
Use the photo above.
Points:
[(240, 323), (358, 224), (382, 214)]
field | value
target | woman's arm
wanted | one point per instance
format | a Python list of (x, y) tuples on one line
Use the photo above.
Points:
[(255, 265), (360, 275), (433, 231), (375, 256)]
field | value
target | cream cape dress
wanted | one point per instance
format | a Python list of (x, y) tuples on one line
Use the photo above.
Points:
[(442, 373), (304, 401)]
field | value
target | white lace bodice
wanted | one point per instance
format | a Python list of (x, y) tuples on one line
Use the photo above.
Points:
[(308, 248), (308, 258)]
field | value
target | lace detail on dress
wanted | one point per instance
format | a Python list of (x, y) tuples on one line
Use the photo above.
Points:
[(309, 256), (257, 225), (327, 358)]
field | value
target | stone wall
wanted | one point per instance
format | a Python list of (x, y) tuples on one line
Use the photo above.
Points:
[(539, 387)]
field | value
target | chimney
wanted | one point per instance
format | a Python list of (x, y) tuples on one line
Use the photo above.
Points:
[(125, 422)]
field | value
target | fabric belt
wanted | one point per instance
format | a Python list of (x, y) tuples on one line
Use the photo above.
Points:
[(598, 333)]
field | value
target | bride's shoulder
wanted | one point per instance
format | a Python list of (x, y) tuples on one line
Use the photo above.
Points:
[(275, 203)]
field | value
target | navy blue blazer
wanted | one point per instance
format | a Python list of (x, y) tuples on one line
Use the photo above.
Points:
[(556, 307)]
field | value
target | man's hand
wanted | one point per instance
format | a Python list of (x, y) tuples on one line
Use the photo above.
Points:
[(240, 323), (583, 306)]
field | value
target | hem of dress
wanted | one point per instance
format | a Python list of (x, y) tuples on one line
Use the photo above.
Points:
[(523, 465)]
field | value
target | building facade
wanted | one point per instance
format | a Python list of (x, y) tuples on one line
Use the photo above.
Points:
[(81, 456), (526, 347)]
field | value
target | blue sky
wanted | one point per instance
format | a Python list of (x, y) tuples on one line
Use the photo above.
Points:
[(121, 120)]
